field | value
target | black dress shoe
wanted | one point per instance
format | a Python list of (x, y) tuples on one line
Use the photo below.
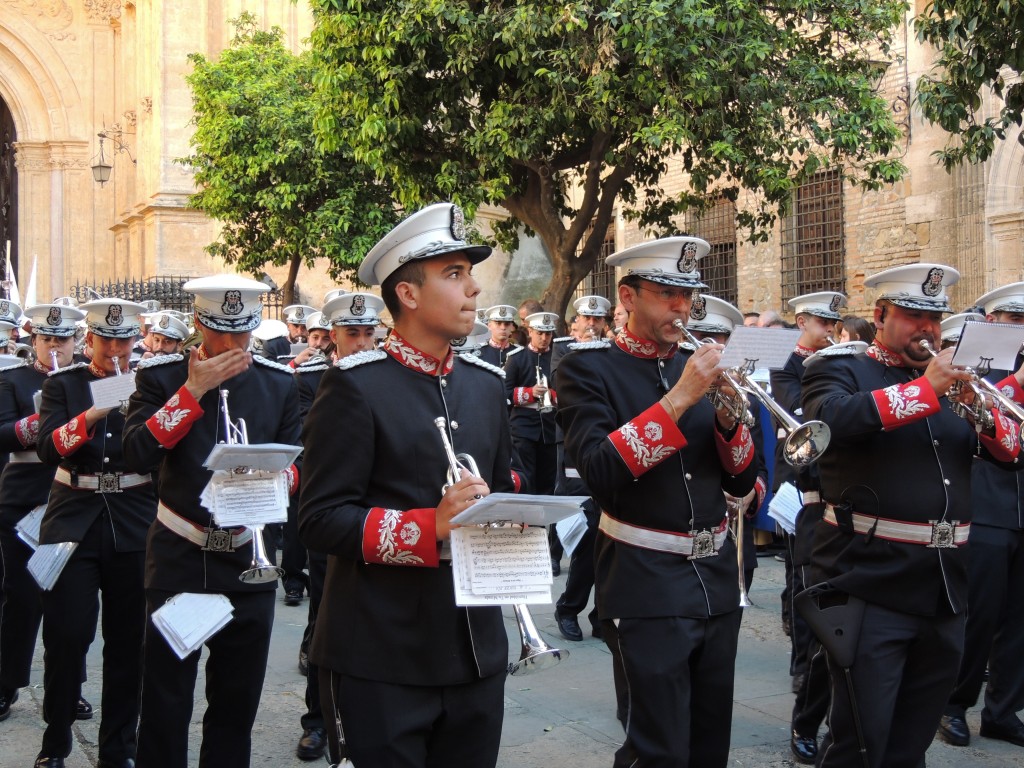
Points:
[(128, 762), (7, 698), (1012, 732), (83, 710), (312, 744), (48, 762), (569, 627), (953, 730), (805, 749), (293, 597), (303, 663)]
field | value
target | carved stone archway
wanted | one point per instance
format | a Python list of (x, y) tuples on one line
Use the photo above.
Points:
[(1004, 208)]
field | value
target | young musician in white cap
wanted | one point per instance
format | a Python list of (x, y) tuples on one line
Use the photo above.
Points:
[(97, 501), (24, 485), (296, 317), (816, 318), (656, 456), (994, 634), (501, 320), (175, 418), (352, 319), (414, 679), (895, 482)]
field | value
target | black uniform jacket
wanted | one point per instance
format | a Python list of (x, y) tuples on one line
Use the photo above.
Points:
[(640, 470), (373, 474), (897, 452), (496, 355), (520, 377), (307, 379), (997, 496), (64, 442), (23, 484), (166, 431)]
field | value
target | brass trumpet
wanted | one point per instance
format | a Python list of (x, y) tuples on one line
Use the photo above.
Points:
[(534, 654), (804, 443), (261, 570)]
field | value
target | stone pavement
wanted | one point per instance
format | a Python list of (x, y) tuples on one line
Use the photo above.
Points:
[(558, 717)]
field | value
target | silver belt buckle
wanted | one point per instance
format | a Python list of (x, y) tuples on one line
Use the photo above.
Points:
[(943, 535), (218, 540), (108, 482), (703, 545)]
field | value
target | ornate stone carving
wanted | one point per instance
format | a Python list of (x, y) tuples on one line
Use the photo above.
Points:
[(46, 15), (147, 105), (130, 118), (102, 10)]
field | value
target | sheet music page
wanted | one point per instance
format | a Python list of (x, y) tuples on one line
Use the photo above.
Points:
[(253, 499), (520, 508), (570, 530), (111, 391), (505, 558), (189, 619), (768, 347), (785, 506), (28, 527), (465, 550), (996, 344), (48, 561), (269, 457)]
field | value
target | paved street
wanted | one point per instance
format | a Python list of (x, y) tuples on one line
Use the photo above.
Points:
[(560, 717)]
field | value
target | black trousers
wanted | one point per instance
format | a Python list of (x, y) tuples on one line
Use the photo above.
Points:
[(904, 670), (21, 611), (385, 725), (70, 613), (293, 554), (679, 675), (580, 580), (995, 626), (235, 670), (313, 716), (813, 696)]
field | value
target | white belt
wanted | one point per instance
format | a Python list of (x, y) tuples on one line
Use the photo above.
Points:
[(25, 457), (572, 473), (107, 482), (937, 533), (810, 497), (695, 545), (210, 539)]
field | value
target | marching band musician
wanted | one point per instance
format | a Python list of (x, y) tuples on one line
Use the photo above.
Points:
[(24, 485), (97, 501), (501, 321), (816, 317), (174, 421), (588, 324), (414, 679), (295, 316), (896, 486), (165, 336), (994, 632), (656, 456), (318, 329), (352, 318)]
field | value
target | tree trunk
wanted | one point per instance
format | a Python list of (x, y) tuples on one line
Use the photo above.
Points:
[(288, 289)]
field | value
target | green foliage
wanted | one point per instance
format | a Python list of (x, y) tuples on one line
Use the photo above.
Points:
[(280, 198), (981, 45), (514, 103)]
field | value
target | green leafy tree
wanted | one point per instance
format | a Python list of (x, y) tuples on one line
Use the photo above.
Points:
[(280, 199), (981, 45), (558, 110)]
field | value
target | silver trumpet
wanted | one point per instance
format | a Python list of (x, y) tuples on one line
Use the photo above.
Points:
[(535, 654), (261, 570), (738, 405), (986, 396), (53, 360), (734, 504), (545, 405), (804, 443)]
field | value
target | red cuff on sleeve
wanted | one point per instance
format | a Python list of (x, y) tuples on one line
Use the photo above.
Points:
[(735, 454), (27, 430), (1005, 444), (1011, 388), (71, 436), (523, 396), (647, 440), (293, 479), (761, 490), (905, 403), (394, 537), (172, 422), (291, 363), (554, 396), (517, 482)]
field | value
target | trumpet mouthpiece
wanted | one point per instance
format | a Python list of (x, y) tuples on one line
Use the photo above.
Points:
[(440, 422)]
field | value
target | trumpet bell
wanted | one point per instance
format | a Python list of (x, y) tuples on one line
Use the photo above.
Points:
[(261, 574), (535, 654), (806, 443)]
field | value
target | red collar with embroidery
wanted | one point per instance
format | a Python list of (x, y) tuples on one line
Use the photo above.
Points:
[(410, 357), (885, 356), (98, 372), (637, 347), (506, 345), (537, 351), (203, 354), (802, 351), (39, 366)]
